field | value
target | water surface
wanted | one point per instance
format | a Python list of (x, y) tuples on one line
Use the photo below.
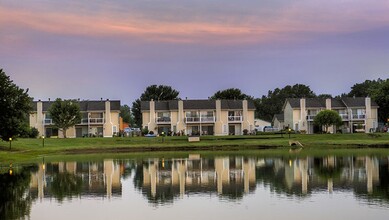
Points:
[(199, 187)]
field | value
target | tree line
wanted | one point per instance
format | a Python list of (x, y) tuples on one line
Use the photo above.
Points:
[(15, 103)]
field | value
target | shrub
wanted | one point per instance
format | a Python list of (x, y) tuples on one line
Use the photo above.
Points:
[(245, 131)]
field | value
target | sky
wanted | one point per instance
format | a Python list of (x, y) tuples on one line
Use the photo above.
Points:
[(114, 49)]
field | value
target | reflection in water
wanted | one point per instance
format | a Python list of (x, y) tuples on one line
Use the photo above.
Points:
[(163, 181), (14, 202)]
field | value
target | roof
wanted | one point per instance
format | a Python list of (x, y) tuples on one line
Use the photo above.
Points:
[(357, 102), (279, 117), (335, 103), (85, 106), (197, 104)]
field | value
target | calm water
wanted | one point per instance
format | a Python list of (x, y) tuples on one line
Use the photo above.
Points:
[(199, 187)]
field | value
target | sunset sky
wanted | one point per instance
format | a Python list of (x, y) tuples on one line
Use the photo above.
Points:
[(114, 49)]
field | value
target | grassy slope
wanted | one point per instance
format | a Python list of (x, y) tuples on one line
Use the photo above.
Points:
[(27, 149)]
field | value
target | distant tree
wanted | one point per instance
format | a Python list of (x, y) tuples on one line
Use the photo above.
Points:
[(364, 89), (272, 104), (381, 96), (232, 94), (155, 92), (325, 96), (327, 118), (65, 114), (125, 113), (15, 106)]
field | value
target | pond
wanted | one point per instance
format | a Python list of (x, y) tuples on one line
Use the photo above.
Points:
[(199, 187)]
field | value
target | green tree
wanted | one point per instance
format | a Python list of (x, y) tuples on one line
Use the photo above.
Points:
[(125, 113), (327, 118), (65, 114), (364, 89), (15, 106), (381, 96), (155, 92), (272, 104), (231, 94), (378, 90)]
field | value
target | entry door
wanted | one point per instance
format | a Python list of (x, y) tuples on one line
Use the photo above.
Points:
[(231, 130), (78, 132)]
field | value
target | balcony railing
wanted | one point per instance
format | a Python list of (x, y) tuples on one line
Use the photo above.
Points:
[(234, 118), (344, 117), (48, 121), (163, 120), (310, 117), (202, 119), (358, 116), (92, 121)]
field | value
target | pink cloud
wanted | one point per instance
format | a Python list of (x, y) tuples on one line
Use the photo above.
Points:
[(252, 28)]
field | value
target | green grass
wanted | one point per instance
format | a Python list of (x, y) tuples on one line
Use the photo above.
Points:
[(30, 149)]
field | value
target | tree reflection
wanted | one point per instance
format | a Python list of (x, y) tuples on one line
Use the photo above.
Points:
[(66, 185), (15, 202), (327, 168)]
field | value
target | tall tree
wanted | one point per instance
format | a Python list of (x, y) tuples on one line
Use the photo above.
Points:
[(125, 113), (155, 92), (231, 93), (272, 104), (381, 96), (15, 106), (65, 114), (365, 89), (327, 118), (378, 90)]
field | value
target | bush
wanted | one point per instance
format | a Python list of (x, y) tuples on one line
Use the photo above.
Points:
[(34, 133), (145, 131), (245, 131), (30, 132)]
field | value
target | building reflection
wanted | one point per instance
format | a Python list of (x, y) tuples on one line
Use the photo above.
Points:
[(162, 180), (223, 175), (94, 179)]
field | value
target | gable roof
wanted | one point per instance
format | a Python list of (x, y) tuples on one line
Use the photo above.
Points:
[(335, 103), (279, 117), (357, 102), (85, 106)]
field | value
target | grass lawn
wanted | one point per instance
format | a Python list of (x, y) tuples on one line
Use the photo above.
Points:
[(27, 149)]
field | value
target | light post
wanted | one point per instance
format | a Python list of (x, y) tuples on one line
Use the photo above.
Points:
[(10, 143), (43, 141), (10, 171), (163, 136), (289, 130)]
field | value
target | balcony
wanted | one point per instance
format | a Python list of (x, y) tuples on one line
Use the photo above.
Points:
[(234, 118), (344, 117), (358, 116), (163, 120), (47, 121), (201, 119), (92, 121), (310, 117)]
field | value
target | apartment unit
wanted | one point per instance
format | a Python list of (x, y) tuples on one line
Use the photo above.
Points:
[(198, 117), (359, 114), (99, 119)]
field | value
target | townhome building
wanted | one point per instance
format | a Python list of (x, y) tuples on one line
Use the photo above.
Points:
[(198, 117), (359, 114), (99, 119)]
